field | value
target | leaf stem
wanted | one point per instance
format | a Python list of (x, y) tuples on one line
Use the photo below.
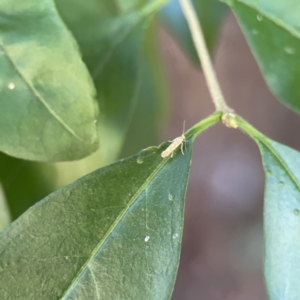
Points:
[(198, 38), (204, 124), (251, 131)]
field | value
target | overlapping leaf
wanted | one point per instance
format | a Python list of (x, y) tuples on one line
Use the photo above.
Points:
[(110, 36), (272, 28), (210, 13), (46, 94), (140, 120)]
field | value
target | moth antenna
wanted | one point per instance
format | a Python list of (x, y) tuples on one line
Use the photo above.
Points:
[(183, 127)]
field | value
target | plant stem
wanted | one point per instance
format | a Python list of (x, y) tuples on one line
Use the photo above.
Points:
[(203, 54), (204, 124), (251, 131)]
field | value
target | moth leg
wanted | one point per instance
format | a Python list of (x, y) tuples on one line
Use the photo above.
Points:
[(182, 148), (172, 154)]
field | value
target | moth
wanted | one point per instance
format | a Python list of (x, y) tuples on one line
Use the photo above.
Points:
[(174, 145)]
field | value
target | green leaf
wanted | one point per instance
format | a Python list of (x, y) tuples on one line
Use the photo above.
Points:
[(282, 220), (110, 35), (113, 234), (281, 217), (5, 217), (272, 29), (46, 94), (151, 110), (25, 182), (146, 120), (143, 121), (210, 13)]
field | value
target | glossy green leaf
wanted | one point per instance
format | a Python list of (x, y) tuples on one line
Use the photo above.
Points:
[(110, 35), (272, 28), (210, 13), (5, 217), (144, 126), (281, 217), (25, 182), (46, 94), (113, 234), (142, 131), (282, 220)]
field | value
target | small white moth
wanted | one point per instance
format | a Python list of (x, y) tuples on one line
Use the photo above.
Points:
[(174, 145)]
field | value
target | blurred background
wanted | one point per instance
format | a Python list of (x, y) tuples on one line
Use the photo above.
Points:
[(222, 250)]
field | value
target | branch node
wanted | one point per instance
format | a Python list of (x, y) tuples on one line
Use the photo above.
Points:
[(229, 119)]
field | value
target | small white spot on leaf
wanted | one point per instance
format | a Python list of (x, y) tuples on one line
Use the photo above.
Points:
[(11, 86), (147, 238), (259, 18), (171, 197), (140, 160), (289, 50), (176, 235)]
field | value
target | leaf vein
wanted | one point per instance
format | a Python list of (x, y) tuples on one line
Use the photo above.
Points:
[(95, 283), (114, 225), (282, 162), (40, 98)]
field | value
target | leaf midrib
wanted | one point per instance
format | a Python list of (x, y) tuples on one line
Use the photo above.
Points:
[(114, 225), (261, 139), (40, 98), (291, 30)]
